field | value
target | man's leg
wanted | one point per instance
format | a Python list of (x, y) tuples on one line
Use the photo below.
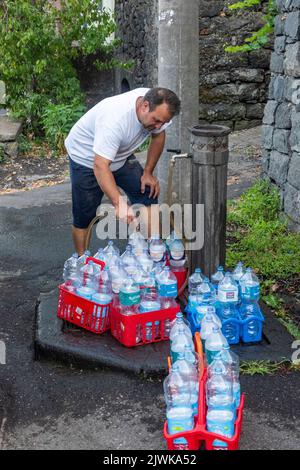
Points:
[(86, 197), (79, 239)]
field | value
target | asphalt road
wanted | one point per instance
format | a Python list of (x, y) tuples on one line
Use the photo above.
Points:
[(44, 405)]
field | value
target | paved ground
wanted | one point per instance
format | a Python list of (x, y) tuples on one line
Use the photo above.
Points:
[(44, 405)]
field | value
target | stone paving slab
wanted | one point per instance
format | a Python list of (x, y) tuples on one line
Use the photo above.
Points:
[(76, 346)]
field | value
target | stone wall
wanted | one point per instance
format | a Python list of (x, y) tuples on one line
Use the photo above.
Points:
[(233, 87), (138, 30), (281, 130)]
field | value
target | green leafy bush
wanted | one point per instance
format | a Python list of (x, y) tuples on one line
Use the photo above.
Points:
[(261, 238), (57, 121), (38, 49), (262, 36)]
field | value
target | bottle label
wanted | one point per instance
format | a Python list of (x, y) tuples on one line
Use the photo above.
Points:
[(176, 425), (223, 428), (177, 254), (228, 296), (129, 299), (157, 254), (250, 292), (168, 290), (210, 355)]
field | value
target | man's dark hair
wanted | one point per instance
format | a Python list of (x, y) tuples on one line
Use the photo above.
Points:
[(158, 96)]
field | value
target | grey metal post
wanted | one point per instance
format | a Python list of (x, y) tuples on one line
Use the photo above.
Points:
[(178, 69), (209, 149)]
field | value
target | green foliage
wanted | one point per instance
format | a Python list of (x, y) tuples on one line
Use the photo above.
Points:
[(38, 47), (261, 239), (262, 36), (24, 145), (57, 121), (260, 367)]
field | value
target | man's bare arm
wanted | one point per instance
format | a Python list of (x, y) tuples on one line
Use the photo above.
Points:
[(155, 150), (108, 185)]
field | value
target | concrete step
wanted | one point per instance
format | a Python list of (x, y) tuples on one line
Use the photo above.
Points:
[(9, 129)]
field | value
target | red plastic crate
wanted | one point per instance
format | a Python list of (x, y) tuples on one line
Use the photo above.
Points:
[(82, 312), (199, 438), (125, 328)]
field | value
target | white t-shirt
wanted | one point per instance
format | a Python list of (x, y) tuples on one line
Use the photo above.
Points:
[(110, 129)]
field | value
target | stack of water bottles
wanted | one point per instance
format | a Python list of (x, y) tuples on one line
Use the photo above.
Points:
[(209, 405), (234, 296), (139, 281)]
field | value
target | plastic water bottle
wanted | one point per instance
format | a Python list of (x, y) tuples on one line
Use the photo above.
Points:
[(176, 388), (220, 422), (157, 249), (130, 293), (166, 285), (173, 236), (101, 310), (217, 277), (111, 249), (238, 271), (249, 308), (180, 419), (214, 343), (118, 274), (177, 325), (228, 290), (219, 391), (100, 255), (81, 261), (179, 342), (205, 300), (146, 261), (70, 272), (231, 359), (250, 288), (177, 253), (190, 375), (211, 312), (128, 257), (207, 327), (229, 374), (88, 275), (194, 281), (150, 302)]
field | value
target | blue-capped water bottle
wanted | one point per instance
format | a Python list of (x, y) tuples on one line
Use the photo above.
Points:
[(195, 280), (179, 323), (228, 291), (166, 286)]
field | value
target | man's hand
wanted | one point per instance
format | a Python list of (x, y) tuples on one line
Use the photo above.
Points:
[(149, 180), (124, 212)]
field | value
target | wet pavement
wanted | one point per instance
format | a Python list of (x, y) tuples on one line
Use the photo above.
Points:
[(48, 405)]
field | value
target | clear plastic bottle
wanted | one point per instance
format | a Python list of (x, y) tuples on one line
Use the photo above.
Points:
[(238, 271), (177, 324), (180, 419), (178, 343), (220, 422), (100, 311), (205, 301), (150, 302), (194, 281), (217, 277), (250, 287), (157, 249), (219, 391), (130, 293), (128, 257), (146, 261), (207, 327), (70, 272), (118, 275), (211, 312), (81, 261), (177, 253), (249, 308), (88, 275), (167, 285), (228, 291), (100, 255), (214, 343)]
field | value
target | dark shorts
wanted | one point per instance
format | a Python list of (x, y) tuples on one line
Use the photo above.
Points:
[(87, 194)]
